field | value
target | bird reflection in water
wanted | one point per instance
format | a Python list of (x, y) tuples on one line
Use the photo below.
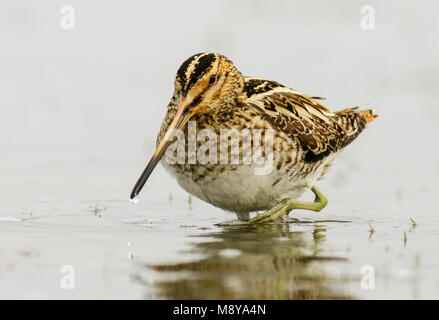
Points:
[(252, 262)]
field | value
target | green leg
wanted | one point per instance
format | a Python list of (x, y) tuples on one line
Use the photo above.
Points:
[(288, 204)]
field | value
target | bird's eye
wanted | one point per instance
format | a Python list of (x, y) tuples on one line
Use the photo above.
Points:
[(212, 79)]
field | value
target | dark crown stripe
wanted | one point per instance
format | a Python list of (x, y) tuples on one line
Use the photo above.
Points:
[(181, 73), (204, 64)]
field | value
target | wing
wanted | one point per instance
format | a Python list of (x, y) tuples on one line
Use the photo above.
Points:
[(298, 115)]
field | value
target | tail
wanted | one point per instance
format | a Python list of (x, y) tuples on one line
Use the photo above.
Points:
[(353, 121), (368, 115)]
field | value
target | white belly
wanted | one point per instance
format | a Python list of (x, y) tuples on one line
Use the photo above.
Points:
[(241, 191)]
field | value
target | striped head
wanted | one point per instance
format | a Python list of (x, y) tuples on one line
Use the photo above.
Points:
[(208, 81)]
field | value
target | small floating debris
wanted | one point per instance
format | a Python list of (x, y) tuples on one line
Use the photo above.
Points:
[(96, 209), (371, 230), (414, 223)]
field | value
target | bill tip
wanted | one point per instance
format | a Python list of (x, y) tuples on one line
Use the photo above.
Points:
[(133, 199)]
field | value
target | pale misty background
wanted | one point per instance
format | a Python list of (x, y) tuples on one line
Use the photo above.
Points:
[(80, 109)]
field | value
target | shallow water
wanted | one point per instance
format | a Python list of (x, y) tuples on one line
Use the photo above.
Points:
[(80, 110), (167, 247)]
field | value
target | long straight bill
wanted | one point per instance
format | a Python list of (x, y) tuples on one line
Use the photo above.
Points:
[(180, 119)]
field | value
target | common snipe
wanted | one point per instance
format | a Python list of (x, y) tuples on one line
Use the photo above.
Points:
[(307, 136)]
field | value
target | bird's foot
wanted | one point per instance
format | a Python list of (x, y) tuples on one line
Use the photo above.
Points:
[(286, 205)]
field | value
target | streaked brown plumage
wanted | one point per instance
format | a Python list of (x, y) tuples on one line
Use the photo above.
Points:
[(307, 137)]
